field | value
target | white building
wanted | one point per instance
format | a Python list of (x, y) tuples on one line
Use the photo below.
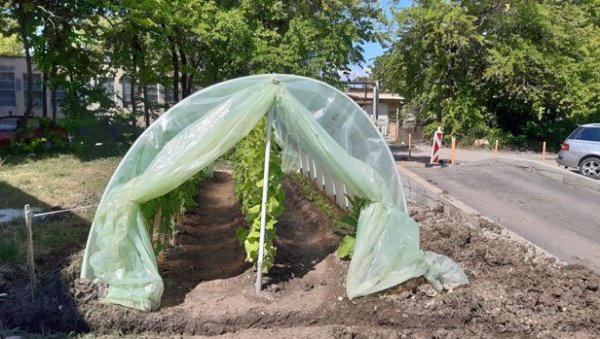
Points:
[(380, 107), (13, 90)]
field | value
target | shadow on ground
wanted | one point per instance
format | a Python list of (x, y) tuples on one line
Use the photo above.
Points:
[(208, 249), (54, 237)]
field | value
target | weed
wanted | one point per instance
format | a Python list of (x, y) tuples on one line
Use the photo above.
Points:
[(9, 251), (346, 248), (311, 193)]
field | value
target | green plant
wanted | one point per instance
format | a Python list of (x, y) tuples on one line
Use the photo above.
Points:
[(248, 177), (9, 251), (346, 247), (163, 214), (314, 195)]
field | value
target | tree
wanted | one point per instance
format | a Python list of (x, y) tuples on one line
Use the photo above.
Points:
[(9, 45), (526, 67), (430, 63), (24, 15)]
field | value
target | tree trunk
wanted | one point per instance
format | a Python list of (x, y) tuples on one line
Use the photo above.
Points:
[(133, 75), (175, 64), (45, 95), (190, 85), (23, 25), (53, 102), (184, 74), (53, 89), (146, 105), (175, 61)]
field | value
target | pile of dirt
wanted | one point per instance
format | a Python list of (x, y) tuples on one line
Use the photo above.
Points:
[(514, 291)]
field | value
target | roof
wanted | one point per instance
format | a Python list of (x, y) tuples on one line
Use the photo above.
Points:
[(360, 95)]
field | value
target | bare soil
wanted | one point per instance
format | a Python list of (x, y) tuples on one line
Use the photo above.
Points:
[(209, 289)]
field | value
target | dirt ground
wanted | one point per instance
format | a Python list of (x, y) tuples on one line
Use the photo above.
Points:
[(209, 289)]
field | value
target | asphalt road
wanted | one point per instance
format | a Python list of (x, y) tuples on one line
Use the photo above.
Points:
[(560, 218)]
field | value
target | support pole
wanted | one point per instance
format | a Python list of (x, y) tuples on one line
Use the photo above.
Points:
[(263, 206), (496, 150), (409, 145), (453, 152), (544, 150), (30, 261)]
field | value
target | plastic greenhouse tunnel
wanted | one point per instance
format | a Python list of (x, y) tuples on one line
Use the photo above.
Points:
[(309, 116)]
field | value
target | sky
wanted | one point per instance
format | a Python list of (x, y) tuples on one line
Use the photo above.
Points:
[(373, 50)]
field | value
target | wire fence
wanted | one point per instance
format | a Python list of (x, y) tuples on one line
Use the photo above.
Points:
[(37, 215), (29, 216)]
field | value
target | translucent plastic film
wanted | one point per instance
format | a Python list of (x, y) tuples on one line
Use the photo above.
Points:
[(310, 115)]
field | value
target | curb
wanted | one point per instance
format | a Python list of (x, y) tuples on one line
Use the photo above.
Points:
[(421, 191)]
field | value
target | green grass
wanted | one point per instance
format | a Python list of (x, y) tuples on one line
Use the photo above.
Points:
[(51, 183), (321, 201), (10, 253)]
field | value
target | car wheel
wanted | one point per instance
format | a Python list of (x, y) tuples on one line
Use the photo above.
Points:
[(590, 167)]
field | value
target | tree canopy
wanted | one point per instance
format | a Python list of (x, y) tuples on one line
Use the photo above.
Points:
[(187, 44), (481, 68)]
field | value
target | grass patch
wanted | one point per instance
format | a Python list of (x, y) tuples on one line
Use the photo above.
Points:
[(311, 193), (51, 183), (9, 251), (63, 181)]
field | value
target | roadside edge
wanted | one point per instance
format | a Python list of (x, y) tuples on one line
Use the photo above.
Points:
[(421, 191)]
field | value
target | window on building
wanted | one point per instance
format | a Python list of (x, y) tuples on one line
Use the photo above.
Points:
[(126, 91), (168, 94), (152, 91), (37, 89), (8, 95), (59, 96), (108, 85)]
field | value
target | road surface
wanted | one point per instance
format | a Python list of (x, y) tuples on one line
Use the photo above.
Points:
[(562, 219)]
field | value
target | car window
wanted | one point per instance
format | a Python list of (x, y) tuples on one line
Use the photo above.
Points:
[(589, 134), (8, 124), (574, 134)]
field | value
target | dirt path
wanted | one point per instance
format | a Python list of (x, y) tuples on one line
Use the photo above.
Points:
[(207, 247)]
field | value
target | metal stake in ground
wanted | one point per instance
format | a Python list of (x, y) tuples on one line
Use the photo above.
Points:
[(30, 262), (263, 206)]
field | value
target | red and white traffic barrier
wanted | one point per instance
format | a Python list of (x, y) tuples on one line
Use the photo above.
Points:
[(437, 145)]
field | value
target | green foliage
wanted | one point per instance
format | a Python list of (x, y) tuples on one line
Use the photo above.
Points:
[(346, 248), (52, 142), (9, 251), (169, 208), (9, 45), (314, 195), (248, 176), (344, 224), (528, 69)]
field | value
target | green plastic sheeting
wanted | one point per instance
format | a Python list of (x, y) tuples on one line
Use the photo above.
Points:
[(310, 116)]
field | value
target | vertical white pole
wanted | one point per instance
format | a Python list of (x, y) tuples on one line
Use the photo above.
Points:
[(263, 207)]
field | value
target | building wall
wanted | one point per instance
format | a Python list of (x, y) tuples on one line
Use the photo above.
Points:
[(13, 86)]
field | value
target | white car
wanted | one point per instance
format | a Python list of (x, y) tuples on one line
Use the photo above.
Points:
[(582, 150)]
